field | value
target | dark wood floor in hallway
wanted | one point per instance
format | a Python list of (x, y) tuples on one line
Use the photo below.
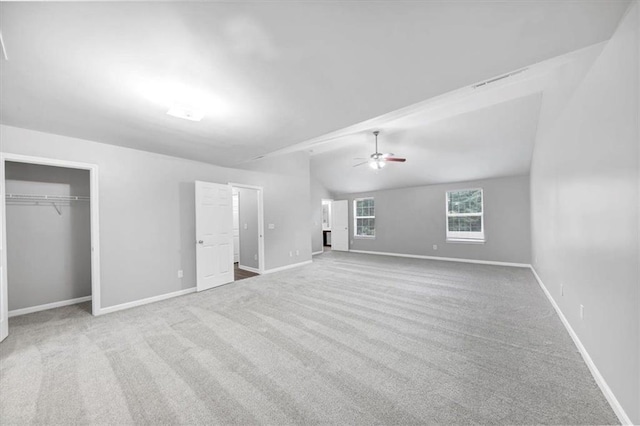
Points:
[(241, 274)]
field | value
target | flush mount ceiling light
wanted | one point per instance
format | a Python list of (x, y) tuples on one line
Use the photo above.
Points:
[(187, 114), (182, 100)]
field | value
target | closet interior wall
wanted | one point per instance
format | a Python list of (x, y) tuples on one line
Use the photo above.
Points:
[(48, 243)]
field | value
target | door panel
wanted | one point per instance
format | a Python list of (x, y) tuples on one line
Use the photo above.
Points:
[(340, 225), (214, 235)]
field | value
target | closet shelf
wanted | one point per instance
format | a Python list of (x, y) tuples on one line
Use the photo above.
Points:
[(50, 198)]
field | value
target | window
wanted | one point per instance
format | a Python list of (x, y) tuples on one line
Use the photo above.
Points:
[(364, 218), (465, 220)]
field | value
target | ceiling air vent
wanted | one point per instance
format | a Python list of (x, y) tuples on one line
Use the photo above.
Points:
[(502, 77)]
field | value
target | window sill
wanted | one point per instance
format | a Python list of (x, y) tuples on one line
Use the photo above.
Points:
[(364, 237), (465, 241)]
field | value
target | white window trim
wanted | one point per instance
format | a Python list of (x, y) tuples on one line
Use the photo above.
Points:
[(464, 237), (356, 217)]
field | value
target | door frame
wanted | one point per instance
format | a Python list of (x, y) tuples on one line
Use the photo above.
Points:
[(260, 189), (323, 202), (95, 227)]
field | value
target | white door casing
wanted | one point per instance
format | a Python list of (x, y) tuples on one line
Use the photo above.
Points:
[(236, 227), (95, 231), (340, 225), (214, 235), (4, 304)]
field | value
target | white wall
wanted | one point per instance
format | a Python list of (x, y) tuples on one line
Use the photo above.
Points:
[(147, 225), (412, 220), (288, 209), (584, 204), (49, 254)]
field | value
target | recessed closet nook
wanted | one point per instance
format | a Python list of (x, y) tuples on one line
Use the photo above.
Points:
[(48, 236)]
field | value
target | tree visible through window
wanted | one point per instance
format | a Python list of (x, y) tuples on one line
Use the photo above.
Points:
[(465, 220), (364, 217)]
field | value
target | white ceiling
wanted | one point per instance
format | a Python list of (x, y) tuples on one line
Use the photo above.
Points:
[(494, 141), (271, 74)]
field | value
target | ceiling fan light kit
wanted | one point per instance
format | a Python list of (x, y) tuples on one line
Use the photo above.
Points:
[(376, 164), (378, 160)]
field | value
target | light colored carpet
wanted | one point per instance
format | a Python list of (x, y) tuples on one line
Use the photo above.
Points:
[(352, 338)]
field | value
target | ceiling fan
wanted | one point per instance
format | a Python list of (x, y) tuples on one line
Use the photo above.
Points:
[(378, 160)]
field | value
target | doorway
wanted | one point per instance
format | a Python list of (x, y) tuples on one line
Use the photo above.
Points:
[(248, 230), (326, 225), (49, 236)]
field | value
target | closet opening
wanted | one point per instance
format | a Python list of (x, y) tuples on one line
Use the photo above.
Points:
[(248, 245), (50, 254)]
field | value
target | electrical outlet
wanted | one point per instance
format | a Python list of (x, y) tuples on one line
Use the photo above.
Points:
[(180, 273), (561, 289), (255, 257), (290, 254), (272, 226), (581, 312), (297, 252), (351, 242), (435, 247), (246, 226)]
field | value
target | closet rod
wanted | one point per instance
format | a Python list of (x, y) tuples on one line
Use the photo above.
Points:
[(34, 197)]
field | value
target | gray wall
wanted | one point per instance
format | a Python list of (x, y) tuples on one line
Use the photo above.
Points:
[(49, 255), (412, 220), (147, 225), (248, 215), (318, 192), (288, 208), (584, 199)]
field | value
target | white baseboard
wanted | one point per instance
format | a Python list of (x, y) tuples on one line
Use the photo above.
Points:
[(446, 259), (284, 268), (46, 306), (146, 301), (604, 387), (317, 252), (249, 268)]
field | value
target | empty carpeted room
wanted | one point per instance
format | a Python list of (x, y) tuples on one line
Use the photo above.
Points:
[(320, 212)]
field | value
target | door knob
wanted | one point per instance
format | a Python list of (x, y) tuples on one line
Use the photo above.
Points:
[(200, 242)]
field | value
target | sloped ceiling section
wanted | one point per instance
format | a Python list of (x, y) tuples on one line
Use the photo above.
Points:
[(265, 75), (491, 142)]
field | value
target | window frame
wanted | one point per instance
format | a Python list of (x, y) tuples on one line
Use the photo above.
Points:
[(477, 237), (356, 217)]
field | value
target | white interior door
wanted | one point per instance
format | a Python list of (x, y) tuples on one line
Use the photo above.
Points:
[(214, 235), (340, 225)]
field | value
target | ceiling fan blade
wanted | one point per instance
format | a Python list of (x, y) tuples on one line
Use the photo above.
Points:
[(387, 155), (396, 159), (360, 164)]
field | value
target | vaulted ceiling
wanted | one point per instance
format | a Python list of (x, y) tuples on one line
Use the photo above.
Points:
[(272, 74)]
